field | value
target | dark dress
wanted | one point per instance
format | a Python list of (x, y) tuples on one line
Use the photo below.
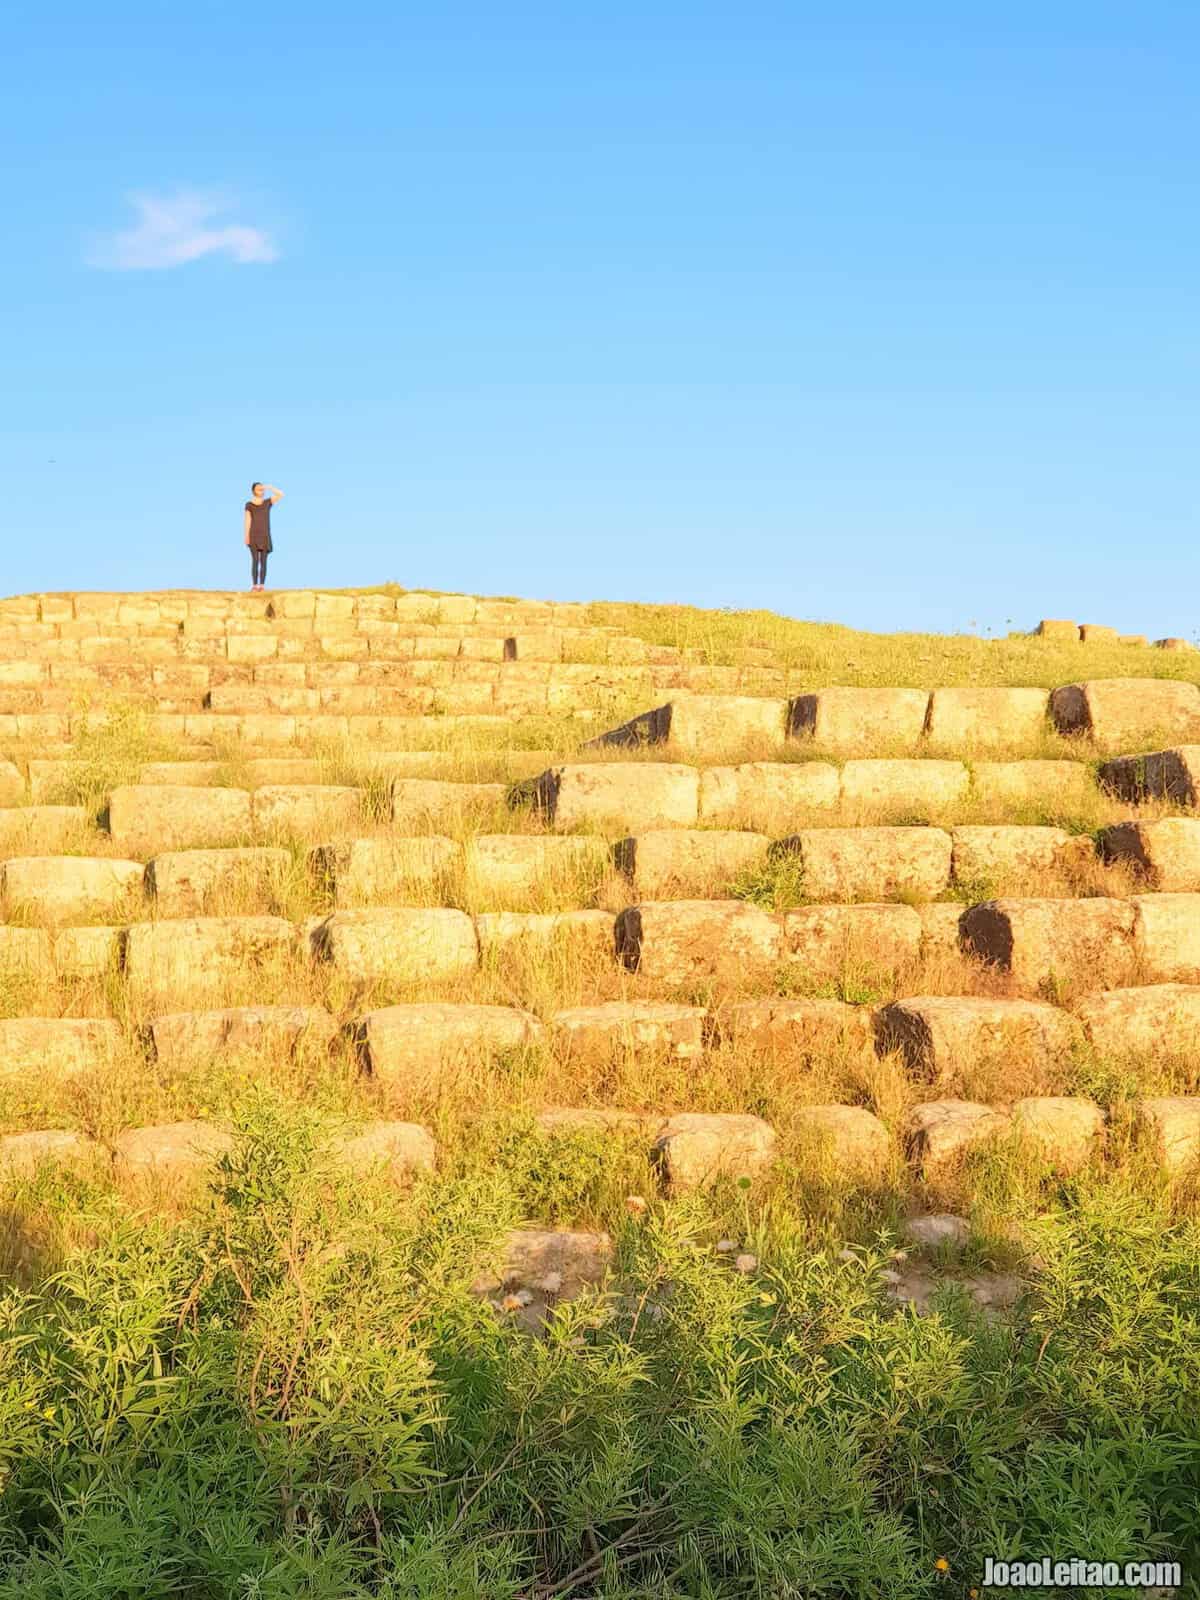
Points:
[(260, 525)]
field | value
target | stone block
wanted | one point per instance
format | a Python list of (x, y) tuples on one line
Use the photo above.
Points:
[(1041, 788), (1059, 631), (636, 1027), (399, 944), (1156, 775), (1170, 1126), (824, 939), (535, 935), (681, 941), (45, 1049), (799, 1030), (410, 1047), (21, 1154), (768, 795), (512, 866), (1066, 1130), (1164, 854), (262, 1030), (1119, 712), (994, 855), (397, 1149), (986, 719), (41, 830), (942, 1131), (1166, 937), (1149, 1020), (24, 951), (1097, 633), (937, 1036), (896, 788), (860, 719), (851, 1138), (663, 863), (185, 883), (623, 794), (171, 1149), (87, 952), (431, 803), (202, 953), (1040, 940), (869, 863), (695, 1149), (57, 888), (939, 921), (704, 722), (145, 819), (382, 870)]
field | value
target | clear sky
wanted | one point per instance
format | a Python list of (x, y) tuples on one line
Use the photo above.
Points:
[(876, 313)]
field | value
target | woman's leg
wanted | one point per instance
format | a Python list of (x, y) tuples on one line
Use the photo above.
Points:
[(262, 568)]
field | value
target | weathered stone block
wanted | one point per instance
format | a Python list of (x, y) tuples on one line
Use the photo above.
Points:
[(410, 1047), (769, 795), (1174, 644), (59, 887), (21, 1154), (627, 794), (824, 938), (431, 803), (1066, 1130), (395, 1148), (1151, 1019), (869, 863), (1166, 937), (45, 1048), (1038, 940), (1166, 853), (185, 883), (180, 774), (1097, 633), (171, 1149), (667, 862), (201, 953), (403, 944), (944, 1130), (695, 1149), (305, 808), (87, 952), (534, 935), (1045, 788), (850, 1137), (1061, 632), (939, 1035), (24, 951), (707, 722), (144, 819), (923, 788), (1157, 775), (41, 830), (857, 719), (12, 784), (795, 1029), (983, 719), (940, 927), (998, 854), (514, 866), (1118, 712), (376, 871), (679, 941), (1170, 1125), (265, 1030), (594, 1033)]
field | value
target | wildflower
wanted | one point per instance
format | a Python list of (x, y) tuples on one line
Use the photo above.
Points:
[(726, 1246), (551, 1283), (745, 1264), (511, 1302), (941, 1564), (634, 1204)]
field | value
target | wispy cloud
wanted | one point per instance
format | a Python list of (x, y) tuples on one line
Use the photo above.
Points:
[(173, 229)]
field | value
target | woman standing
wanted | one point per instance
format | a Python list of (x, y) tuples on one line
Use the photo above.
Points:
[(258, 531)]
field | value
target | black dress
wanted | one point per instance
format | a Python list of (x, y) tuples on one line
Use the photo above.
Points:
[(260, 525)]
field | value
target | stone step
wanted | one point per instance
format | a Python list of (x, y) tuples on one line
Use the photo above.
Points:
[(691, 1150)]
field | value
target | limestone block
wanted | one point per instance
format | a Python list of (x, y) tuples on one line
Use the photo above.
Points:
[(938, 1035), (939, 921), (941, 1131), (514, 866), (87, 952), (1044, 788), (1119, 712), (400, 944), (1157, 775), (431, 803), (42, 1049), (24, 952), (185, 883), (538, 935), (1059, 631), (626, 794), (1151, 1019), (996, 854), (305, 808), (1165, 854), (1038, 940), (850, 1137), (859, 719), (201, 952), (21, 1154), (823, 939), (1170, 1125), (982, 719), (667, 862), (41, 830), (1097, 633), (382, 870), (144, 819), (1166, 937), (410, 1047), (641, 1027), (705, 722), (695, 1149), (264, 1030), (170, 1149), (795, 1029), (1067, 1130), (398, 1149), (679, 941), (769, 795), (59, 887), (869, 863)]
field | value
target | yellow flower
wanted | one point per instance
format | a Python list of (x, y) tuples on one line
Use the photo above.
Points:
[(48, 1413), (942, 1564)]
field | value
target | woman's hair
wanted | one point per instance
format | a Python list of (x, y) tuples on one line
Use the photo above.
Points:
[(257, 484)]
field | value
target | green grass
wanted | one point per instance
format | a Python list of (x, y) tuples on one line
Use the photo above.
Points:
[(287, 1388)]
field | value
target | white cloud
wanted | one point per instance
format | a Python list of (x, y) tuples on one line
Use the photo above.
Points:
[(174, 229)]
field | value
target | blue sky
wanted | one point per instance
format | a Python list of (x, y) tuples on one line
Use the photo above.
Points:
[(870, 313)]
